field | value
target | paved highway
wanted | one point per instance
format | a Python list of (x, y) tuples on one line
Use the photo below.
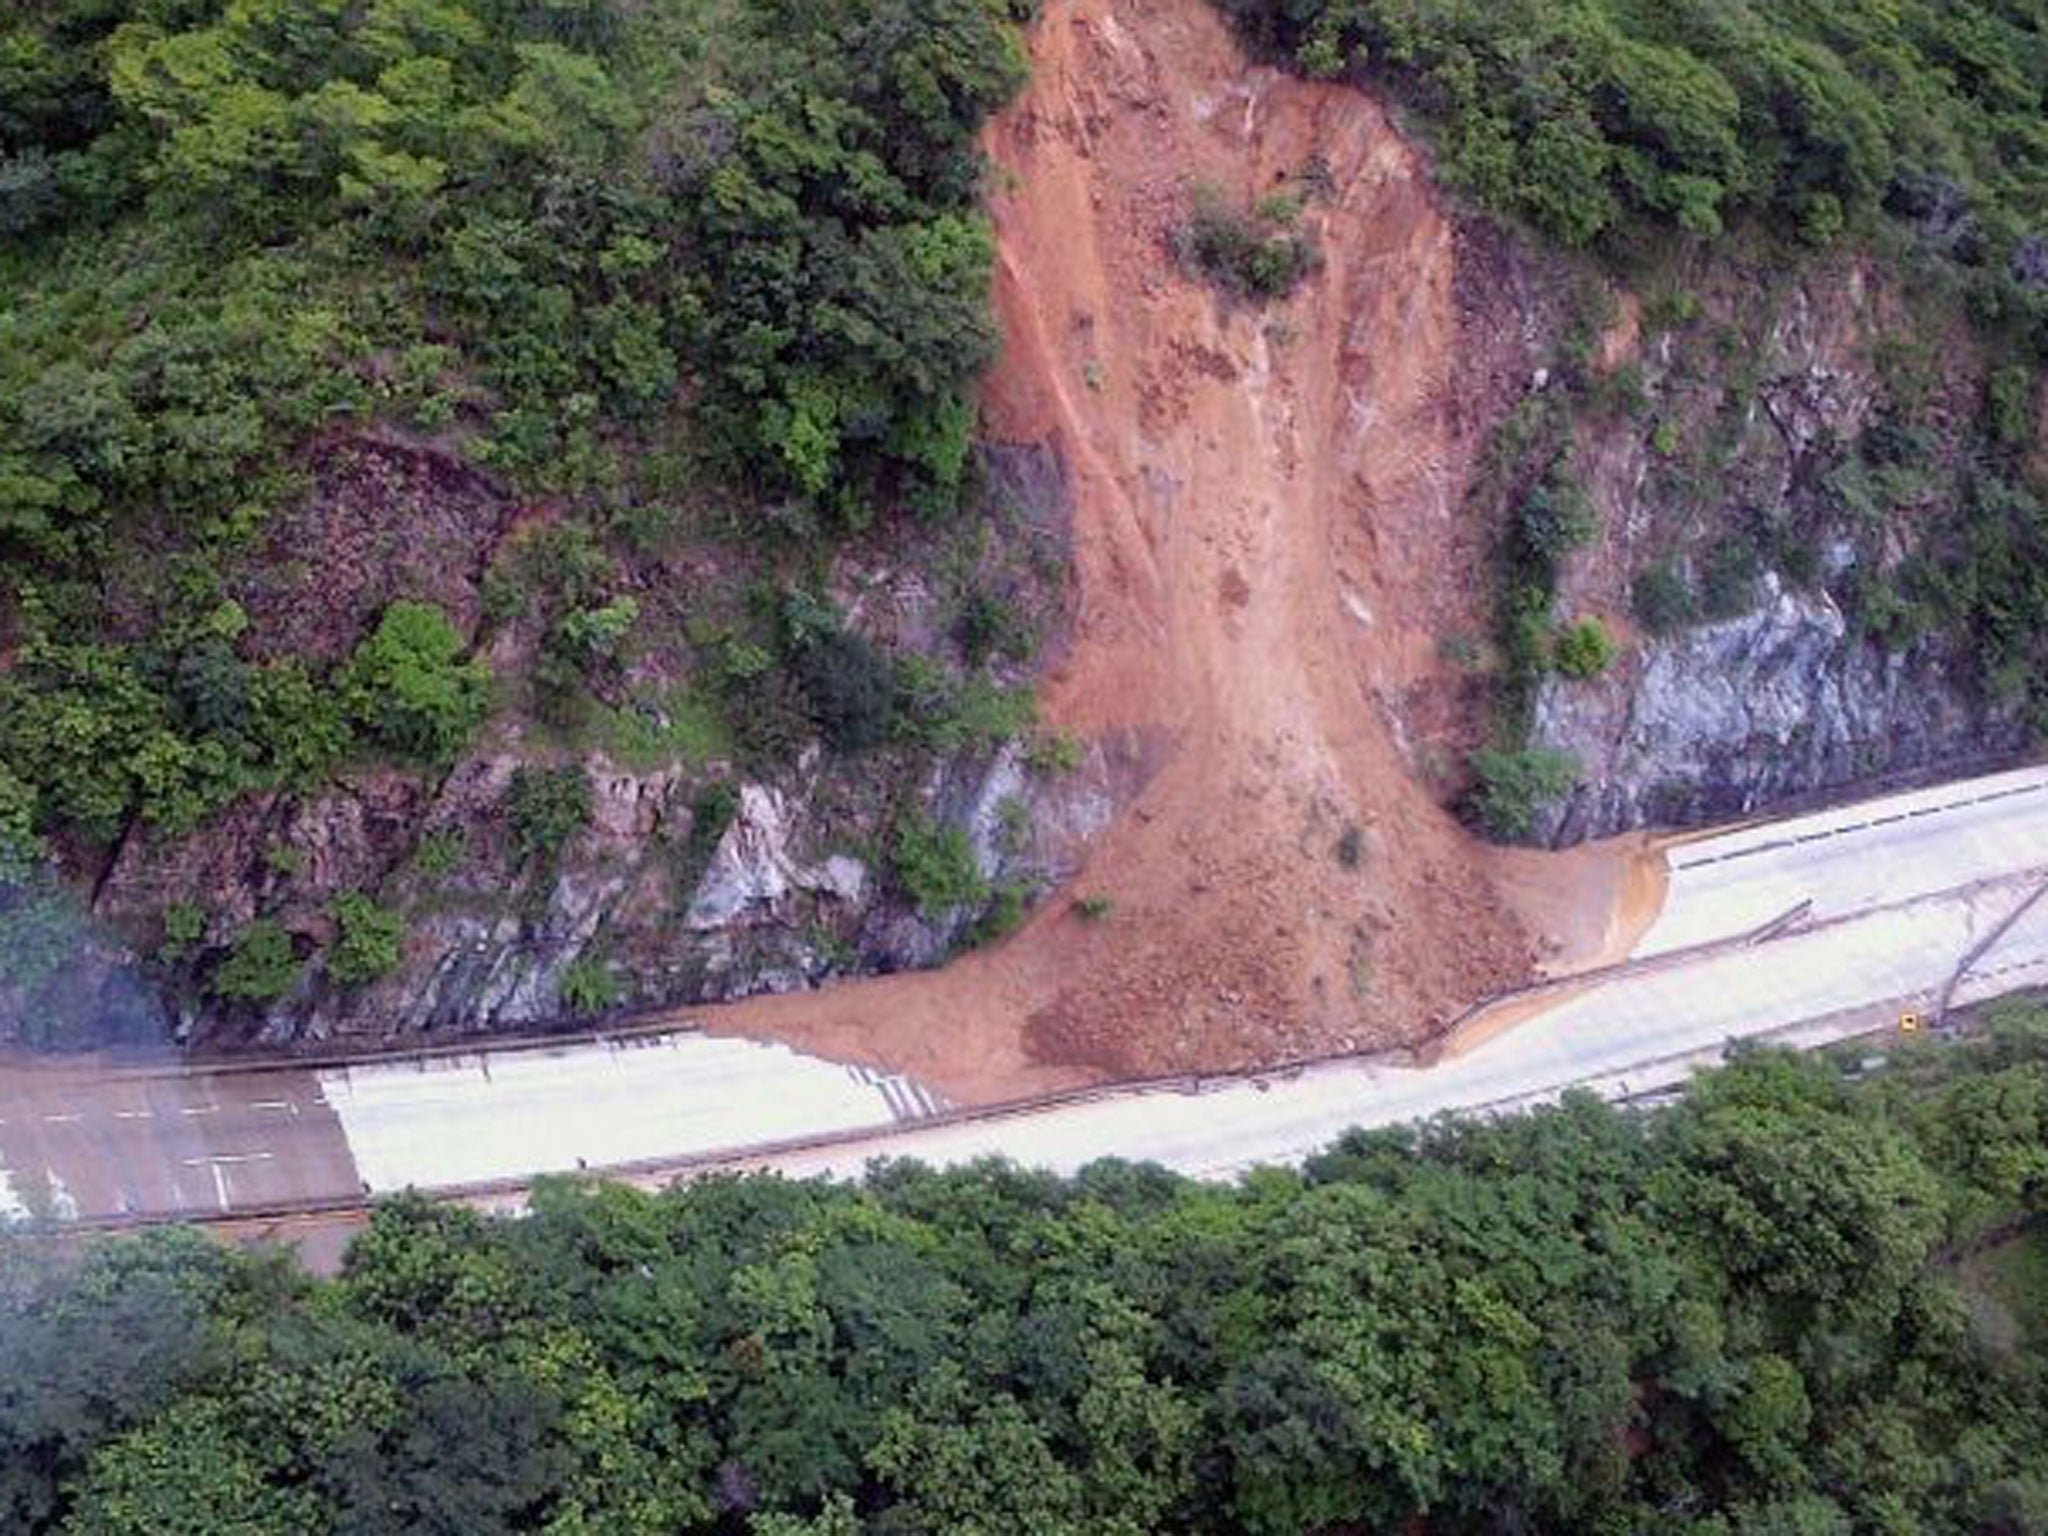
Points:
[(1632, 1035), (74, 1141), (1894, 893), (1852, 859)]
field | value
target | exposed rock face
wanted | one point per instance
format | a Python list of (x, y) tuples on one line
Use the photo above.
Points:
[(794, 890), (753, 870), (1729, 717), (1762, 401), (780, 904)]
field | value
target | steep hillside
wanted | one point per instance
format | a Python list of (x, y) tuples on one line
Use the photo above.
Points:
[(458, 462), (1272, 541), (531, 510)]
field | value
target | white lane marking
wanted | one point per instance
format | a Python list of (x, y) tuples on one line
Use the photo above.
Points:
[(200, 1109), (221, 1159), (284, 1104), (1912, 813), (134, 1114), (71, 1119)]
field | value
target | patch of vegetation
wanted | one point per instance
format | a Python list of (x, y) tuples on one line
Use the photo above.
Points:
[(545, 808), (1583, 649), (1527, 470), (1729, 577), (1662, 599), (989, 627), (945, 713), (1553, 517), (184, 926), (408, 687), (170, 730), (367, 940), (1511, 785), (1258, 253), (1054, 754), (1013, 824), (935, 865), (590, 987), (711, 814), (1003, 916), (614, 251), (2013, 1276), (851, 687), (261, 967), (1094, 908), (676, 725), (1735, 1313), (440, 853), (1594, 118)]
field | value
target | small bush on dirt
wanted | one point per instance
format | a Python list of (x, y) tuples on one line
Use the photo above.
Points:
[(1512, 785), (1256, 255), (366, 941), (1351, 848), (1093, 909), (1054, 753), (439, 853), (1662, 599), (1584, 649), (261, 968), (408, 687), (935, 865), (546, 807)]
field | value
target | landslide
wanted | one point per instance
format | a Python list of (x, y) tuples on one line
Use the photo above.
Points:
[(1270, 555)]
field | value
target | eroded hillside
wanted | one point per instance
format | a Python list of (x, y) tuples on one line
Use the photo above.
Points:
[(1271, 542)]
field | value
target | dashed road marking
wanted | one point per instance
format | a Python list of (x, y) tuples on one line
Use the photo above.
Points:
[(1795, 838)]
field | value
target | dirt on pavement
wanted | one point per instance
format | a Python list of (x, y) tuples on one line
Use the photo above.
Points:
[(1270, 555)]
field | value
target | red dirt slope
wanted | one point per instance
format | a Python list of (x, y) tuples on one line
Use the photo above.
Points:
[(1269, 552)]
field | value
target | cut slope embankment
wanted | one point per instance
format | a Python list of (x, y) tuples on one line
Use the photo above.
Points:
[(1270, 554)]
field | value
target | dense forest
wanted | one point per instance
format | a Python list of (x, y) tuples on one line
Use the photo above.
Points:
[(1588, 117), (630, 267), (1810, 1298), (610, 245)]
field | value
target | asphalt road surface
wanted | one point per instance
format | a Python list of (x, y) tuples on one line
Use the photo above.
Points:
[(75, 1142), (1900, 890)]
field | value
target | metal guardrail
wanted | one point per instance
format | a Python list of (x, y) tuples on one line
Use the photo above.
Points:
[(628, 1025)]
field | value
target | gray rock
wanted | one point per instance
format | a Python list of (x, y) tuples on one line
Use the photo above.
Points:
[(753, 874), (1728, 717), (751, 868)]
